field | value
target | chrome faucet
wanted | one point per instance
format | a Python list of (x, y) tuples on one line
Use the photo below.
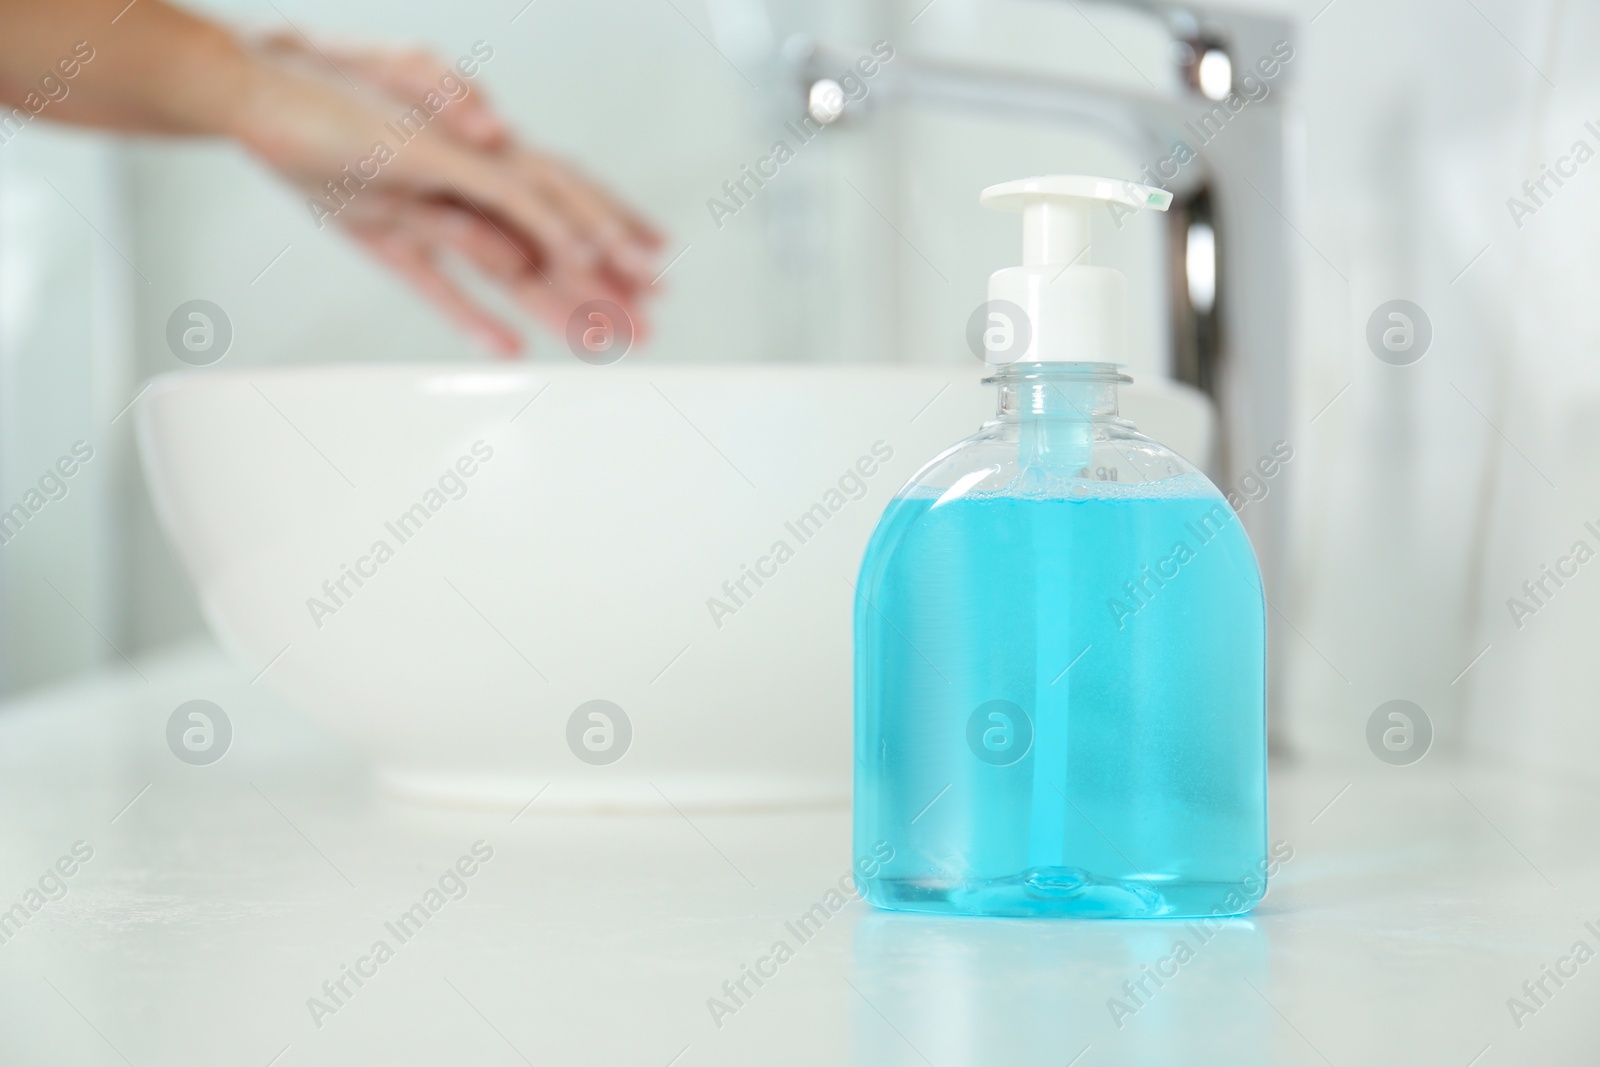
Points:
[(1221, 143)]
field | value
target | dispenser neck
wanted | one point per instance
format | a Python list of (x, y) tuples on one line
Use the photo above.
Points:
[(1055, 232), (1068, 391)]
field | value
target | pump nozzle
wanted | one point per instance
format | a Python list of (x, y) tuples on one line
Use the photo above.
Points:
[(1075, 310)]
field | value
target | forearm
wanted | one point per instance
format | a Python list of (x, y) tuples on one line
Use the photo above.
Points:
[(149, 67)]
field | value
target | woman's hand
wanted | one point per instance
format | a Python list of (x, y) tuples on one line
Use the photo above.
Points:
[(397, 148), (414, 186)]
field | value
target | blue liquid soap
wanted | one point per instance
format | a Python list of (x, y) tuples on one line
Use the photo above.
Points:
[(1060, 675)]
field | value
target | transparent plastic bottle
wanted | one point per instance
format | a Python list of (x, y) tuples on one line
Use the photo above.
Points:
[(1060, 673)]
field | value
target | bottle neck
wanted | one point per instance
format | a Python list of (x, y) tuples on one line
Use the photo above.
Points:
[(1072, 391)]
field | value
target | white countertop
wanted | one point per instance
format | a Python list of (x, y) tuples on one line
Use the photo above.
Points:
[(222, 897)]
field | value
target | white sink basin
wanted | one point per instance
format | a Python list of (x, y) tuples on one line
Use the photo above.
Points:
[(555, 536)]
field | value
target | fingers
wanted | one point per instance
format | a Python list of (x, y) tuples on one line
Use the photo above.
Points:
[(639, 228), (549, 295), (563, 246), (565, 217), (623, 241), (416, 263), (480, 243), (529, 222)]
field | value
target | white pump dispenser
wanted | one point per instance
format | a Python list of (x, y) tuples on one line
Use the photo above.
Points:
[(1075, 312)]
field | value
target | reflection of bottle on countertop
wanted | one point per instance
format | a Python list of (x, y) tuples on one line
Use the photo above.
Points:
[(1060, 632)]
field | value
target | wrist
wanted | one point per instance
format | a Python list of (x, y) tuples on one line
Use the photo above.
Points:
[(214, 81)]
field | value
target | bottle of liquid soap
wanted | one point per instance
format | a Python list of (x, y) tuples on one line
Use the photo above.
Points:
[(1060, 649)]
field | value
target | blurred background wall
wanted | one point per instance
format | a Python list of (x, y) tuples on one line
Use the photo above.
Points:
[(1424, 495)]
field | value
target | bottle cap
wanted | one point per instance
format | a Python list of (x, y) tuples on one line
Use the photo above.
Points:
[(1075, 311)]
